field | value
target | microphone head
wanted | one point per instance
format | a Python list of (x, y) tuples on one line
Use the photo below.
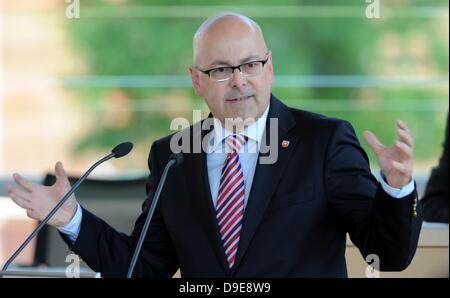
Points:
[(122, 149), (178, 157)]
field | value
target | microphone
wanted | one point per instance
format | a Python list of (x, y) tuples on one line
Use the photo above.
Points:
[(120, 150), (175, 160), (178, 157)]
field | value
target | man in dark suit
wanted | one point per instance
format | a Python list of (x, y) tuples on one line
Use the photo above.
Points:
[(263, 198), (436, 198)]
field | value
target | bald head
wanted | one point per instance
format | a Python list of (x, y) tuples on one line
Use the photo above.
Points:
[(225, 27), (230, 40)]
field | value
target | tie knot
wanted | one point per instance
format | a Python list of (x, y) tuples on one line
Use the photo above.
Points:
[(235, 142)]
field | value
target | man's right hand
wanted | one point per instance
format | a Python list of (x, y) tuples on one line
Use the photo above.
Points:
[(39, 200)]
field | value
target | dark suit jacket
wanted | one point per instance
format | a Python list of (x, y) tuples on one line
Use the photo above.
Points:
[(436, 198), (295, 223)]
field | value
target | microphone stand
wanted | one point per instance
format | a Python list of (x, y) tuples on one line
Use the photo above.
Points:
[(170, 163)]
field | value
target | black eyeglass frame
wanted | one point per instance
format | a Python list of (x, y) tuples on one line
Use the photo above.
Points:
[(233, 68)]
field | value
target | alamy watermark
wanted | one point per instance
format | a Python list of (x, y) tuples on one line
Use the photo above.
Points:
[(373, 269), (73, 269), (72, 10), (373, 9), (199, 137)]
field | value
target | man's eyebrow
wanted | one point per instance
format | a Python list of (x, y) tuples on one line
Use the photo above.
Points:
[(219, 63), (250, 58), (227, 63)]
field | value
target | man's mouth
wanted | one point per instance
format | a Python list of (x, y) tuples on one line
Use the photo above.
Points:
[(239, 98)]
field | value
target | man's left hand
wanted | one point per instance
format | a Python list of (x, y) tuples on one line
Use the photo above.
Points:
[(395, 162)]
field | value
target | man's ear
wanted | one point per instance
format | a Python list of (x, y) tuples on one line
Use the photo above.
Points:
[(195, 77)]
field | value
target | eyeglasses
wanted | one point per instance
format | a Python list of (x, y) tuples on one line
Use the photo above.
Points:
[(224, 73)]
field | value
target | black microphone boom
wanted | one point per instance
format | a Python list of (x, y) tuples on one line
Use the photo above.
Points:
[(118, 151), (174, 160)]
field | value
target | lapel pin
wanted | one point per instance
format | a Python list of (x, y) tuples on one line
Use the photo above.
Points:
[(285, 143)]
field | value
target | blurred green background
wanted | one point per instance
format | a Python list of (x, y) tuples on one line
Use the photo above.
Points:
[(328, 58)]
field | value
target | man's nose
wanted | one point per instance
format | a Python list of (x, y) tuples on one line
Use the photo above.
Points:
[(237, 79)]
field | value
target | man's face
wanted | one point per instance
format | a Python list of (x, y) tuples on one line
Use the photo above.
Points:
[(240, 96)]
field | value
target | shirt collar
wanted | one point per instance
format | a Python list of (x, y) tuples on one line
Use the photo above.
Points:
[(253, 132)]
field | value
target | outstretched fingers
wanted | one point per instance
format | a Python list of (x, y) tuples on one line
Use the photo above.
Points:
[(373, 142), (20, 197), (406, 152), (27, 185)]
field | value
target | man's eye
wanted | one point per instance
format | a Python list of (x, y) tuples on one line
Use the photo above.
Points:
[(251, 64), (220, 69)]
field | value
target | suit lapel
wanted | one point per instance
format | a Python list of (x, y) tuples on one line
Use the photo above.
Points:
[(196, 174), (266, 176)]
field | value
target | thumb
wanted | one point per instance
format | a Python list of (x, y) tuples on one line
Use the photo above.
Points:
[(373, 141), (59, 171)]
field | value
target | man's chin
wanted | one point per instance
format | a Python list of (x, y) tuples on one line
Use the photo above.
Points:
[(238, 121), (242, 117)]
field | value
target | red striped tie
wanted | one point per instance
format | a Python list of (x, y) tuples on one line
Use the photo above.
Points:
[(230, 200)]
